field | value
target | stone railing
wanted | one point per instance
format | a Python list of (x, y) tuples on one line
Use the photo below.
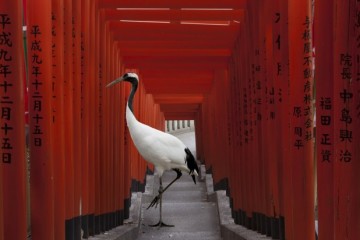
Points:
[(178, 126)]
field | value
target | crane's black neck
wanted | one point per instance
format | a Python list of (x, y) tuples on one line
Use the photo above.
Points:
[(134, 86)]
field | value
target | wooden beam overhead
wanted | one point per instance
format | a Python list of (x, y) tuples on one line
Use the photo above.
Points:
[(173, 15), (180, 116), (228, 4), (176, 44), (176, 52), (174, 63), (135, 31), (179, 98)]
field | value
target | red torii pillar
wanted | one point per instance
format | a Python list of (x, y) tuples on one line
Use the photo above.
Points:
[(356, 113), (282, 55), (345, 116), (39, 40), (323, 42), (273, 117), (76, 131), (301, 120), (86, 107), (12, 152), (92, 80), (58, 117), (97, 141), (68, 121), (1, 205)]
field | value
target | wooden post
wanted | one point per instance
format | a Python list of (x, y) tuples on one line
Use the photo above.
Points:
[(1, 204), (86, 131), (76, 131), (323, 42), (39, 40), (92, 115), (346, 109), (283, 103), (69, 125), (301, 117), (355, 220), (98, 74), (58, 117), (12, 132), (273, 119)]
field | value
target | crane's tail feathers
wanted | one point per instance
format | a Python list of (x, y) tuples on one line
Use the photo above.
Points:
[(191, 164)]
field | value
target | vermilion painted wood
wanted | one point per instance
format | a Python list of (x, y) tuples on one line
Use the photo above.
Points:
[(301, 146), (13, 175), (356, 105), (174, 4), (234, 78), (58, 118), (252, 150), (102, 116), (1, 206), (275, 18), (85, 107), (285, 177), (42, 185), (140, 31), (346, 168), (122, 145), (98, 35), (173, 15), (68, 102), (76, 131), (272, 115), (92, 113), (106, 74), (324, 44)]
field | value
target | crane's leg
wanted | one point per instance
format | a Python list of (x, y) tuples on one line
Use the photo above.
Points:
[(155, 201), (159, 198)]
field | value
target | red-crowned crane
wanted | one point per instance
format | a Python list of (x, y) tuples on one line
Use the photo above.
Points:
[(163, 150)]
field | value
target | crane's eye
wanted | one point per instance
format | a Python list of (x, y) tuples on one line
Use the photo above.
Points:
[(126, 76)]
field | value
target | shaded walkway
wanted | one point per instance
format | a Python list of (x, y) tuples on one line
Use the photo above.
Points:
[(186, 206)]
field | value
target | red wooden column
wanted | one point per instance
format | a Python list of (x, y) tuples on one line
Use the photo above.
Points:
[(122, 148), (117, 145), (92, 128), (12, 152), (236, 126), (355, 111), (104, 68), (273, 118), (1, 204), (285, 175), (323, 42), (97, 182), (127, 159), (68, 120), (58, 117), (301, 125), (277, 59), (76, 133), (346, 114), (39, 40), (85, 115)]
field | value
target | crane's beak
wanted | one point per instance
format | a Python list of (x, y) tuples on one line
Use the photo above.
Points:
[(115, 81)]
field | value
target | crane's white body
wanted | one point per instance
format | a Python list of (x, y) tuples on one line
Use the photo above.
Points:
[(159, 148)]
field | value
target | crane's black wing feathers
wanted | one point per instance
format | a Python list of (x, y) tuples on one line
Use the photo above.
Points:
[(191, 163)]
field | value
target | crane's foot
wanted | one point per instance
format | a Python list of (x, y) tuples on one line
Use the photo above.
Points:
[(161, 224), (154, 202)]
